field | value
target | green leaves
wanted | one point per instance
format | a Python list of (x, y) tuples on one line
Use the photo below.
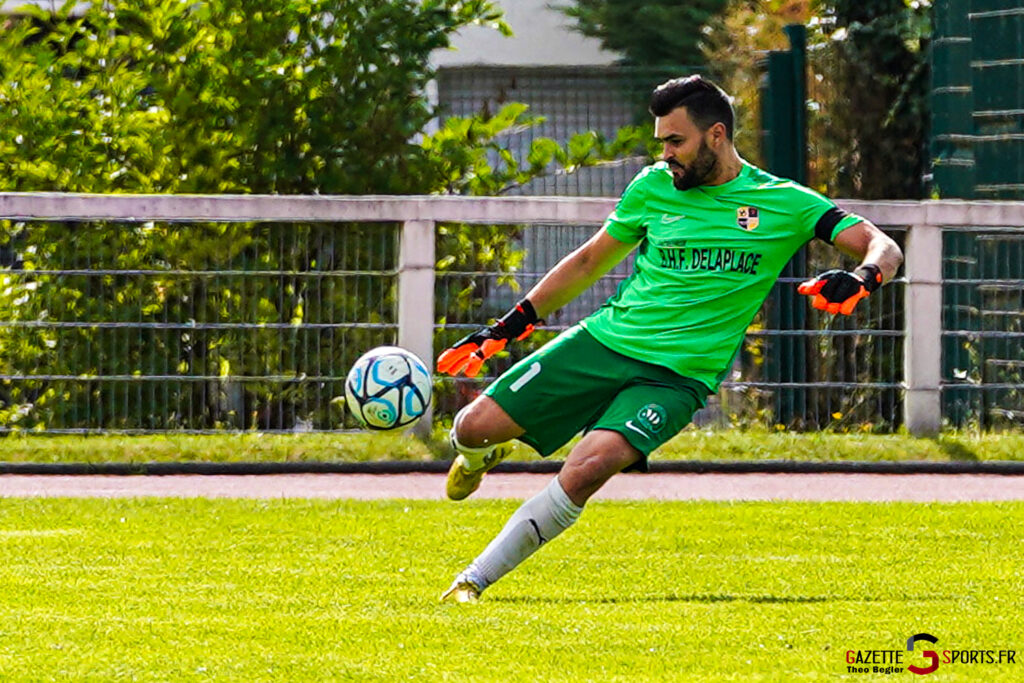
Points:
[(647, 32), (471, 157), (881, 75), (298, 97), (226, 96), (165, 96)]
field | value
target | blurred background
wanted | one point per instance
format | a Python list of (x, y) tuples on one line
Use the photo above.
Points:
[(139, 325)]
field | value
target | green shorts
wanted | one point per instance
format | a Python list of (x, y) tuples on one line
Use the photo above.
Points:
[(574, 383)]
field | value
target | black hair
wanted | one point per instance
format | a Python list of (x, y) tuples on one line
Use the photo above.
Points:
[(706, 103)]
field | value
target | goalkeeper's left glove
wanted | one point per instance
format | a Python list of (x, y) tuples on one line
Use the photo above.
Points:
[(838, 291)]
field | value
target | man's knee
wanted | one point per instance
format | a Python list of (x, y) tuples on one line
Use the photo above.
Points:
[(471, 427), (484, 423)]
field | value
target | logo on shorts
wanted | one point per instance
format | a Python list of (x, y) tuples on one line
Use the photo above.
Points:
[(747, 217), (652, 417)]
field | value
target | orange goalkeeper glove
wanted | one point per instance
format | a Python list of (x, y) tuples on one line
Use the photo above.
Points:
[(838, 291), (470, 352)]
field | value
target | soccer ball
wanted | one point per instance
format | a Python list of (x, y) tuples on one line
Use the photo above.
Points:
[(388, 388)]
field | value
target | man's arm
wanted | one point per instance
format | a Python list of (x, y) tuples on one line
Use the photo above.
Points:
[(838, 291), (563, 283), (870, 245), (571, 276)]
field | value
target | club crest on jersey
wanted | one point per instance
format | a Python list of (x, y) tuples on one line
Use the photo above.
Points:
[(747, 217)]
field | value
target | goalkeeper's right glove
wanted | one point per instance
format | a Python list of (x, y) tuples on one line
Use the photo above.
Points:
[(470, 352)]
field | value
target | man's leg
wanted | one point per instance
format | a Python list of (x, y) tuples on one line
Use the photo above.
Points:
[(476, 435), (484, 424), (598, 456), (592, 462)]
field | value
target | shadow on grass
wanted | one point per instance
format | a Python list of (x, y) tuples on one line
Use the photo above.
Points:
[(956, 451), (708, 599)]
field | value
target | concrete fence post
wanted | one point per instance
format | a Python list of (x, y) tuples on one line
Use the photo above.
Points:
[(922, 345), (416, 299)]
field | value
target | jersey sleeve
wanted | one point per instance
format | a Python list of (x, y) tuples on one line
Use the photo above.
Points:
[(822, 218), (626, 223)]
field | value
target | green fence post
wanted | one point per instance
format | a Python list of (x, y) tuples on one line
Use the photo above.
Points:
[(952, 100), (784, 140)]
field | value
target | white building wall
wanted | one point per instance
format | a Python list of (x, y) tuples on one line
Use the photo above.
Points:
[(12, 6), (543, 36)]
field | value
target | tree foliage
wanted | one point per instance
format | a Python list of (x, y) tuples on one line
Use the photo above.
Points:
[(882, 72), (647, 32), (867, 86), (224, 96), (735, 46), (291, 96)]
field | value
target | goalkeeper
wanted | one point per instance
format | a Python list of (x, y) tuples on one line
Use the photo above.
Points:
[(712, 233)]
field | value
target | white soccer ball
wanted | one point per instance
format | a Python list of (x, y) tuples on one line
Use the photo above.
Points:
[(388, 388)]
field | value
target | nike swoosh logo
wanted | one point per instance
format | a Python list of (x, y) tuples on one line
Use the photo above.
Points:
[(630, 425), (671, 219)]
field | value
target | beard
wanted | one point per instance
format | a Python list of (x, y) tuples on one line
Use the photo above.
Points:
[(697, 172)]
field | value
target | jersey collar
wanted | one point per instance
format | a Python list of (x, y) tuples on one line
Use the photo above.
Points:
[(716, 190)]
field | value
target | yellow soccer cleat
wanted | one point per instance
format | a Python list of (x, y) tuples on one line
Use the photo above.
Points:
[(462, 590), (462, 482)]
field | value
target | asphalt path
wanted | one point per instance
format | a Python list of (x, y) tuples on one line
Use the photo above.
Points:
[(662, 486)]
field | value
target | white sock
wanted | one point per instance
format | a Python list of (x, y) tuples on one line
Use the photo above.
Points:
[(473, 458), (536, 522)]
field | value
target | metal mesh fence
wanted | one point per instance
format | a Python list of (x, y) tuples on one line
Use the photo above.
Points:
[(983, 338), (804, 369), (144, 327), (977, 99), (137, 327), (571, 100)]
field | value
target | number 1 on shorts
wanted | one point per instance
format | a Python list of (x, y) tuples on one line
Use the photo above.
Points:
[(527, 376)]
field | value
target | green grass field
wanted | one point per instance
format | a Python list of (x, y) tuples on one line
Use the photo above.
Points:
[(291, 590), (691, 444)]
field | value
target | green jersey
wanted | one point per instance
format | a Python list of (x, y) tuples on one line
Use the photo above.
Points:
[(707, 258)]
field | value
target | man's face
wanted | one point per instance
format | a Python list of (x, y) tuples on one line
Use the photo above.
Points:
[(685, 148)]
